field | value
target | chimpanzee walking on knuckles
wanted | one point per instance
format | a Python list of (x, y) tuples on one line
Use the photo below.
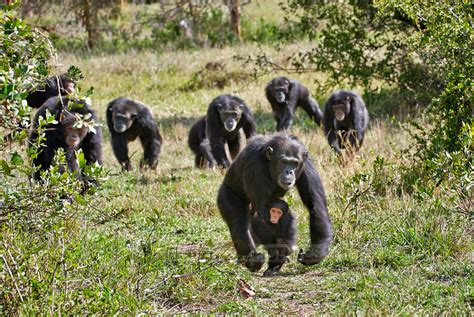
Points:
[(266, 169), (345, 120), (285, 96)]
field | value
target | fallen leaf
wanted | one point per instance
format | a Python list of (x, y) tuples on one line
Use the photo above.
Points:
[(245, 289)]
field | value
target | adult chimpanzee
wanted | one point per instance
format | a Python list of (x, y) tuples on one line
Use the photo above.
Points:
[(53, 86), (226, 116), (345, 118), (266, 169), (285, 96), (275, 227), (67, 133), (128, 119)]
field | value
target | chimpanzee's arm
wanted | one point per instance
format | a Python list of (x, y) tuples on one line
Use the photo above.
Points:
[(359, 121), (218, 151), (214, 128), (120, 147), (236, 214), (248, 124), (330, 130), (150, 139), (312, 109), (312, 194), (292, 102), (205, 150), (92, 147)]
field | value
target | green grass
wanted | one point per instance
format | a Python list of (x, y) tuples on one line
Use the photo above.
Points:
[(154, 242)]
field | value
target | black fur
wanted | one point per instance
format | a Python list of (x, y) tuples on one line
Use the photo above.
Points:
[(48, 90), (200, 146), (141, 124), (255, 177), (296, 95), (355, 121), (91, 145), (279, 239), (208, 136)]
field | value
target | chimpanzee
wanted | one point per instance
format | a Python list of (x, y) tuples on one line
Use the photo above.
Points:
[(128, 119), (285, 96), (275, 227), (226, 116), (53, 86), (345, 118), (38, 97), (265, 170), (66, 133), (199, 144)]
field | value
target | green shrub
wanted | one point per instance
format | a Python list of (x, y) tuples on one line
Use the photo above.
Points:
[(34, 217)]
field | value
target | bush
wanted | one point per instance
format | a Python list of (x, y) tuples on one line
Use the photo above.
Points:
[(33, 216)]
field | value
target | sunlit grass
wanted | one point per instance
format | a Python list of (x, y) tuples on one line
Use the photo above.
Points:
[(154, 240)]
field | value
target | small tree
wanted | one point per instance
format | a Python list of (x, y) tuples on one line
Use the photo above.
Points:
[(30, 212), (234, 9)]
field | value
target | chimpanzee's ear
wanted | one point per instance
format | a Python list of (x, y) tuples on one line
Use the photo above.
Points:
[(62, 116), (350, 99), (305, 156), (269, 152)]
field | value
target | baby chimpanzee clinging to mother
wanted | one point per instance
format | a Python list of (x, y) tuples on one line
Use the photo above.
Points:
[(274, 226)]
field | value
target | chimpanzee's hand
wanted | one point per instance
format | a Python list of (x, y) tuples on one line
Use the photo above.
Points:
[(254, 261), (314, 255)]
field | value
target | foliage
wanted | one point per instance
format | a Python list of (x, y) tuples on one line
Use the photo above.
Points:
[(351, 44), (444, 151), (36, 213), (167, 25), (418, 52)]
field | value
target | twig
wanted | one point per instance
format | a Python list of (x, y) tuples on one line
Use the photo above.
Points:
[(11, 274), (355, 197)]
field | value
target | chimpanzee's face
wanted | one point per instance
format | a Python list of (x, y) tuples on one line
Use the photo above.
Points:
[(230, 113), (73, 131), (69, 86), (280, 88), (123, 118), (286, 163), (342, 108), (276, 209)]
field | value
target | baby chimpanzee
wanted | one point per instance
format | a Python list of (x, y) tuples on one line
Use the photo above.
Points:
[(274, 226)]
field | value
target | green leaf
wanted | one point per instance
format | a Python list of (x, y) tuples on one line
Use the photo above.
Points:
[(80, 200), (5, 167)]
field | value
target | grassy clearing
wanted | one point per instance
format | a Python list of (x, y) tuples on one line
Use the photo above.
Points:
[(154, 242)]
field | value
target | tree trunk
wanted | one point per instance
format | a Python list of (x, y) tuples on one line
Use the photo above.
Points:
[(234, 8), (117, 11), (89, 23)]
